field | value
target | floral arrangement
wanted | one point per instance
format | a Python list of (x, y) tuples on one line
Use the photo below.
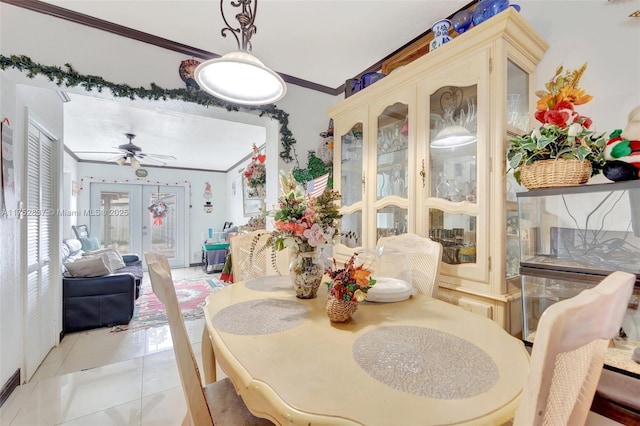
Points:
[(158, 210), (351, 282), (304, 223), (256, 172), (564, 133)]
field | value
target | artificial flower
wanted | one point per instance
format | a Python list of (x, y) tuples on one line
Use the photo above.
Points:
[(302, 223), (351, 282)]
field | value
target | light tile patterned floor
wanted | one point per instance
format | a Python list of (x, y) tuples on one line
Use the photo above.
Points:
[(97, 377)]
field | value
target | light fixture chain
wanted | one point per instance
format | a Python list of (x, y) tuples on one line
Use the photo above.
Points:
[(246, 19)]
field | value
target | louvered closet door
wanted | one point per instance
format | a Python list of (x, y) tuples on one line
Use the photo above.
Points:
[(40, 314)]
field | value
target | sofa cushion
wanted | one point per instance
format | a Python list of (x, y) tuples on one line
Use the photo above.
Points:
[(94, 266), (111, 257), (73, 245), (90, 243)]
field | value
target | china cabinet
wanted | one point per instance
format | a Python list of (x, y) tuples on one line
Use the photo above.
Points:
[(423, 151), (571, 238)]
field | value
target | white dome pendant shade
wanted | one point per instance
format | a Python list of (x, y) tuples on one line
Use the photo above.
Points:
[(241, 78)]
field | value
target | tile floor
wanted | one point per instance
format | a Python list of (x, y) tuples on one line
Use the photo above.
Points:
[(129, 378), (97, 377)]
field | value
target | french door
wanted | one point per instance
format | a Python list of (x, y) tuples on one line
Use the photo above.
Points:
[(120, 217)]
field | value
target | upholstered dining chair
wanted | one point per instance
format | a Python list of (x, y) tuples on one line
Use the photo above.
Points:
[(568, 353), (217, 402), (251, 257), (424, 257)]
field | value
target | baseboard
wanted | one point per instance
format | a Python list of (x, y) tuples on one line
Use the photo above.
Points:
[(9, 387)]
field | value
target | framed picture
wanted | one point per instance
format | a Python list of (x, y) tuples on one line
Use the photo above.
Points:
[(252, 204)]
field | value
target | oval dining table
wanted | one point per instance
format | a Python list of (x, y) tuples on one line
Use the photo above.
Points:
[(420, 361)]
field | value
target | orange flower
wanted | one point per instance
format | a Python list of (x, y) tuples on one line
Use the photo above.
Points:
[(361, 276), (546, 102), (574, 95)]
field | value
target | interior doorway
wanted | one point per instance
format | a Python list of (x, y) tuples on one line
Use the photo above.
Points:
[(121, 217)]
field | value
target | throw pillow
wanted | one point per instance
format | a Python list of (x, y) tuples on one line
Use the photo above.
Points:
[(93, 266), (90, 243), (110, 256)]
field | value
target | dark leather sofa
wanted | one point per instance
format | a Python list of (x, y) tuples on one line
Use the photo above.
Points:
[(99, 301)]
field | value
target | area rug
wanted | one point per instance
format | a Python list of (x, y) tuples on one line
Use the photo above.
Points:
[(150, 312)]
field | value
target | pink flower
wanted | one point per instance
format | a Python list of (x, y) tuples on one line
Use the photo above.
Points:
[(315, 236)]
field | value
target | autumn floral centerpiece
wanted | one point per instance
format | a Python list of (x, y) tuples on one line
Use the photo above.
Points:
[(256, 173), (347, 288), (304, 224), (562, 151)]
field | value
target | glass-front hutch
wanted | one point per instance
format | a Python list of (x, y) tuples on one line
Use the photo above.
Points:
[(424, 151)]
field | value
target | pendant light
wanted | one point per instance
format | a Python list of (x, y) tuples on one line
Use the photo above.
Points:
[(240, 77)]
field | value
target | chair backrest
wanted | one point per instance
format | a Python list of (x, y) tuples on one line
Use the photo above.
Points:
[(424, 256), (568, 353), (251, 257), (162, 284)]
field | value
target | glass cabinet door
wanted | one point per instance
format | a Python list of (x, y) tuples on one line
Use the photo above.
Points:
[(517, 99), (351, 185), (453, 152), (392, 170)]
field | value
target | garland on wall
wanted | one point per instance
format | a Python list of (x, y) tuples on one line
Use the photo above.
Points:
[(70, 77), (89, 179)]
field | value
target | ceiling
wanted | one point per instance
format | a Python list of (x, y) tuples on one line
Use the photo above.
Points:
[(323, 42)]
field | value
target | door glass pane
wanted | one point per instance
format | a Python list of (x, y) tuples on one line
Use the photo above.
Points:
[(114, 220), (391, 220), (456, 233), (351, 185), (517, 97), (163, 229), (351, 229), (392, 158), (453, 147)]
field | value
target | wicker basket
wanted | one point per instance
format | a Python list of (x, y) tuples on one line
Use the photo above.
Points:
[(555, 173), (340, 310)]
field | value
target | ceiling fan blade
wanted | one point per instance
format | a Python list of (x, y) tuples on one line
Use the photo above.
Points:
[(149, 155), (155, 160)]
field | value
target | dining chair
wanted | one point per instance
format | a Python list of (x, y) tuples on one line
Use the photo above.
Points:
[(252, 257), (568, 353), (217, 402), (424, 257)]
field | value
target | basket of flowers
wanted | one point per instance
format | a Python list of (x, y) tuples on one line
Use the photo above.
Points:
[(563, 151), (347, 288)]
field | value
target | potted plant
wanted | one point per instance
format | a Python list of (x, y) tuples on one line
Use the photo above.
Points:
[(563, 151)]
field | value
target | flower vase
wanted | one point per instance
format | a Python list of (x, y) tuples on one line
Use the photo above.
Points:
[(339, 310), (306, 270)]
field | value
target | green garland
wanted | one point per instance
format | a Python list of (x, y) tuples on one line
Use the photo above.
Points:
[(70, 77)]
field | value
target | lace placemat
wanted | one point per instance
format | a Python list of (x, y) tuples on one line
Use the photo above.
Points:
[(426, 362), (271, 283), (263, 316)]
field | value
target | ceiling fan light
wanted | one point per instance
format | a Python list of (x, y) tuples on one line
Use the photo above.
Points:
[(241, 78), (135, 163), (121, 161)]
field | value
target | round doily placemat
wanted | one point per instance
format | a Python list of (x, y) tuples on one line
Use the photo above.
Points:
[(270, 283), (263, 316), (426, 362)]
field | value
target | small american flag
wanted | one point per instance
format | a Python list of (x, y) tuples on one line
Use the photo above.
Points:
[(316, 187)]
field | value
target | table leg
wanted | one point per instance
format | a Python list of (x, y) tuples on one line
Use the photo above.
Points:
[(208, 357)]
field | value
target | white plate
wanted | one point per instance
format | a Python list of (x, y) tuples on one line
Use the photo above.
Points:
[(390, 290)]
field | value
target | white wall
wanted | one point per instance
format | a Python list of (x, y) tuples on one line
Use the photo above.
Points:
[(10, 281)]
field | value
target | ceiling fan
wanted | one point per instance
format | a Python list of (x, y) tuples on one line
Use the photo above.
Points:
[(133, 153)]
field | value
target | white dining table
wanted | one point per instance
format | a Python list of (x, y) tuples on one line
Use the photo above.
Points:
[(420, 361)]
